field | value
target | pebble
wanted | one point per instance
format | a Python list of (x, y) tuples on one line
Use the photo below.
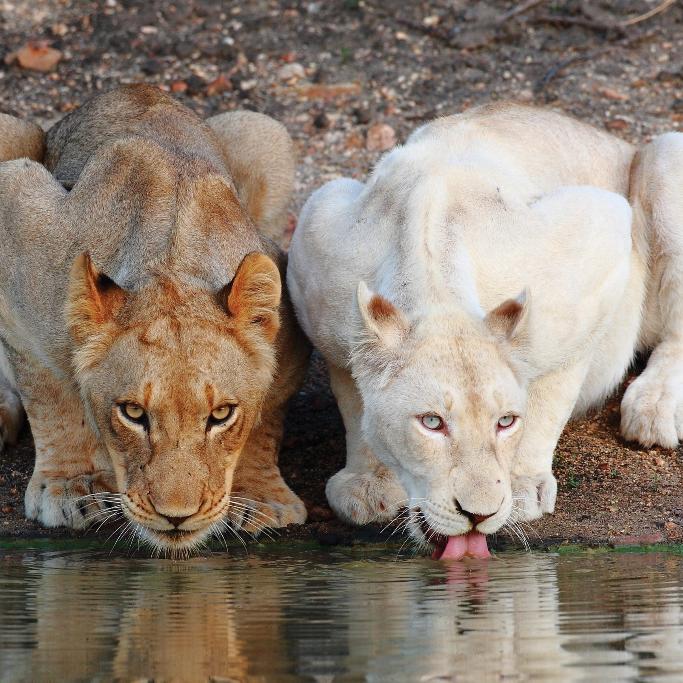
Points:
[(361, 115), (321, 120), (218, 85), (152, 66), (380, 138), (195, 84), (293, 71), (38, 56)]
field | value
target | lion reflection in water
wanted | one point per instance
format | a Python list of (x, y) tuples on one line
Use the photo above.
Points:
[(532, 617)]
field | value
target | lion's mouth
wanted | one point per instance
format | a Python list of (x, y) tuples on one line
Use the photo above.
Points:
[(472, 544)]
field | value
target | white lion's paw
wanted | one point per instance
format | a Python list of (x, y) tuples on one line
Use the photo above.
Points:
[(652, 411), (271, 509), (361, 498), (533, 496), (68, 502)]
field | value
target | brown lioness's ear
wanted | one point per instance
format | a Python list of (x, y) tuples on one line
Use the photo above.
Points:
[(254, 295), (93, 300), (509, 319), (382, 319)]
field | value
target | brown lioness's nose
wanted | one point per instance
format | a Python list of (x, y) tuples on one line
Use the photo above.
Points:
[(472, 516), (176, 521)]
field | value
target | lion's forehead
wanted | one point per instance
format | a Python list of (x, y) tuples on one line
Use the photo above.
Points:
[(463, 374)]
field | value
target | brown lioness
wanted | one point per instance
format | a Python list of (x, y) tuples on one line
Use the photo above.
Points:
[(142, 317)]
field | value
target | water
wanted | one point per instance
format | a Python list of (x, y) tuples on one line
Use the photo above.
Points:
[(313, 615)]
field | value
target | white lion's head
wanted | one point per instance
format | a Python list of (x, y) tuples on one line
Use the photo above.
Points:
[(444, 404)]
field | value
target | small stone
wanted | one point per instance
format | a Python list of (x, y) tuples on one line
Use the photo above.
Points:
[(184, 49), (6, 509), (218, 85), (318, 513), (152, 66), (361, 115), (612, 94), (677, 106), (195, 84), (645, 539), (380, 138), (321, 120), (315, 91), (616, 124), (293, 71), (59, 29), (38, 56), (178, 86)]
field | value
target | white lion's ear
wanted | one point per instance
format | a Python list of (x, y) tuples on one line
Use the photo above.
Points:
[(509, 320), (381, 318)]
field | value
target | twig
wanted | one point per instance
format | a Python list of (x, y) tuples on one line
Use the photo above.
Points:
[(515, 11), (564, 20), (591, 54), (647, 15)]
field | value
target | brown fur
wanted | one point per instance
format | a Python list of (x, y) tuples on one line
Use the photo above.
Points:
[(148, 284)]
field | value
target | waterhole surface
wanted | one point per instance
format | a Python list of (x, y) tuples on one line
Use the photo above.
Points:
[(340, 615)]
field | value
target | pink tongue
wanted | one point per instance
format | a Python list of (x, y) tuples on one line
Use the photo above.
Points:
[(472, 544)]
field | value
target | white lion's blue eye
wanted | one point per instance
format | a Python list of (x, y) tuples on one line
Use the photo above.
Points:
[(432, 422), (506, 421)]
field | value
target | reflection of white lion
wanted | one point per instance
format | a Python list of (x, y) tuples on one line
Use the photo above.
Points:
[(488, 282)]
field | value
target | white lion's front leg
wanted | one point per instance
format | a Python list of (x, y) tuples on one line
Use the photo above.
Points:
[(365, 490), (652, 407), (552, 399)]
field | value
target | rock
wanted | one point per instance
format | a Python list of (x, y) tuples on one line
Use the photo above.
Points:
[(380, 137), (611, 94), (321, 120), (293, 71), (184, 49), (195, 84), (361, 115), (677, 106), (38, 56), (333, 91), (152, 66), (178, 86), (616, 124), (645, 539), (218, 85), (318, 513)]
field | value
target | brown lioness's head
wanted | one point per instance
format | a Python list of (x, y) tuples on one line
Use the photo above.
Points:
[(172, 379)]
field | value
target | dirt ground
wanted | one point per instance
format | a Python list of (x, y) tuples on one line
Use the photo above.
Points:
[(347, 77)]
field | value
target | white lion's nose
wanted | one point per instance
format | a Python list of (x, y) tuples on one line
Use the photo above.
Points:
[(474, 517)]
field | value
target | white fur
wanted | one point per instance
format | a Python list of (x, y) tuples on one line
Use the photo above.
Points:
[(473, 210)]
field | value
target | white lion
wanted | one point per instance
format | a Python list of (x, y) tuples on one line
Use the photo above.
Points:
[(489, 282)]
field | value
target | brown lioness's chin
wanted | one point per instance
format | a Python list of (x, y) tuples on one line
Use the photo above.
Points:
[(173, 537)]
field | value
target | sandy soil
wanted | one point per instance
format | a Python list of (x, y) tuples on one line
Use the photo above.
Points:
[(346, 76)]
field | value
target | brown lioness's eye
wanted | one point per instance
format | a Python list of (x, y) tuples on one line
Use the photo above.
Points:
[(220, 416), (134, 413)]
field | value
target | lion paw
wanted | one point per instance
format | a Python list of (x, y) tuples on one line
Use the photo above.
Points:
[(63, 502), (652, 411), (533, 496), (278, 507), (361, 498)]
